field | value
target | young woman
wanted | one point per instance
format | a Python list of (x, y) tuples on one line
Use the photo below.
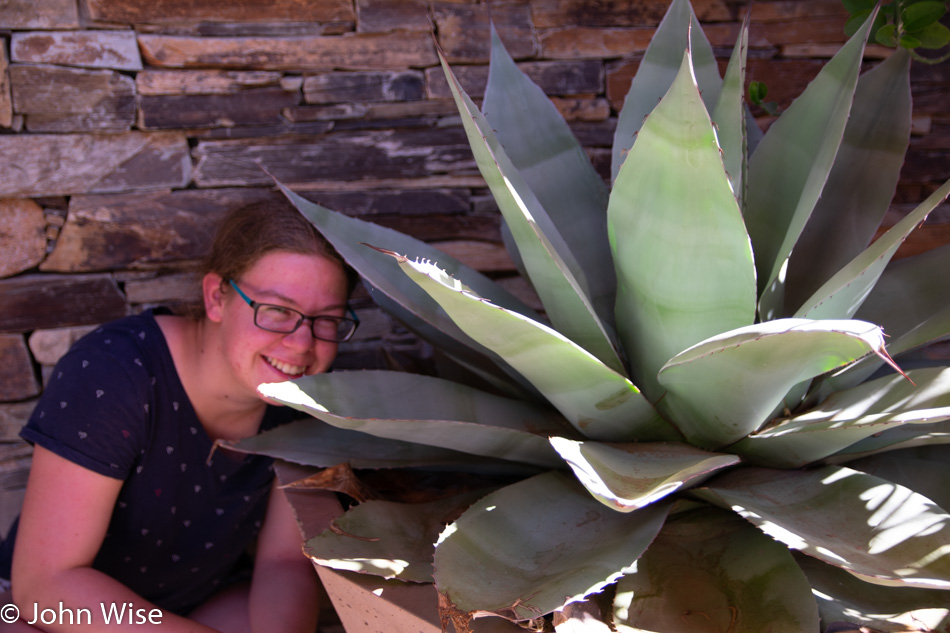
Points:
[(127, 505)]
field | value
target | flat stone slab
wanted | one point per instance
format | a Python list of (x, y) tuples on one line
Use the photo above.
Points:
[(58, 164), (93, 49)]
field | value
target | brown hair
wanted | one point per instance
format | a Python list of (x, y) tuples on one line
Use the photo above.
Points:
[(249, 232)]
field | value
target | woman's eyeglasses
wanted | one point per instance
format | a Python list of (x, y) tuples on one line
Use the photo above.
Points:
[(284, 320)]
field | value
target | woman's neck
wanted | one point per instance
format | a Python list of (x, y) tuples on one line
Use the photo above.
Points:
[(223, 410)]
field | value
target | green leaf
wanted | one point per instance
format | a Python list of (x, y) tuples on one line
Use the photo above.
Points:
[(555, 167), (313, 443), (920, 15), (843, 598), (724, 388), (678, 31), (846, 417), (887, 35), (708, 570), (383, 538), (427, 410), (729, 115), (860, 185), (348, 236), (598, 401), (934, 37), (883, 532), (626, 477), (790, 166), (757, 91), (909, 42), (684, 264), (551, 266), (559, 545)]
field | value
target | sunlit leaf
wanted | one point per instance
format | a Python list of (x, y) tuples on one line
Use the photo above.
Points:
[(902, 437), (846, 417), (709, 571), (427, 410), (882, 532), (559, 545), (551, 266), (626, 477), (724, 388), (676, 285), (598, 401), (922, 469), (383, 538), (842, 599)]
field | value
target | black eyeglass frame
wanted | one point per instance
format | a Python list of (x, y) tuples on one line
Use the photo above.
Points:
[(256, 305)]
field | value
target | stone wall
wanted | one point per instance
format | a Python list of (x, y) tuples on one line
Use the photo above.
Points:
[(127, 127)]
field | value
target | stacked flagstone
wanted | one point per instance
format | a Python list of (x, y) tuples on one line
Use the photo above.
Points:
[(127, 127)]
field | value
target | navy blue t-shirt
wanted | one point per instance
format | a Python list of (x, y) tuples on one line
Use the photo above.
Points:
[(186, 513)]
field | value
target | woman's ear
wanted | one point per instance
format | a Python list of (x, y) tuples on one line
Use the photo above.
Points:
[(212, 291)]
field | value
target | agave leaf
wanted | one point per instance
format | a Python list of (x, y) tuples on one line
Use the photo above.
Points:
[(923, 468), (902, 437), (678, 31), (910, 291), (842, 598), (554, 272), (843, 294), (598, 401), (708, 570), (627, 477), (313, 443), (535, 569), (676, 284), (789, 168), (861, 183), (882, 532), (383, 538), (729, 115), (725, 388), (847, 417), (483, 364), (555, 167), (348, 235), (427, 410)]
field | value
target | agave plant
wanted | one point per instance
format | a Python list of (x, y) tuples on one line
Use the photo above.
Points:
[(704, 425)]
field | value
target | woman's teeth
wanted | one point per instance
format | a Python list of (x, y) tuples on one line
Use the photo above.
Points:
[(290, 370)]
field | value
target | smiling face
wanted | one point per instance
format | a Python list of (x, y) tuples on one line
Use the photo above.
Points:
[(311, 284)]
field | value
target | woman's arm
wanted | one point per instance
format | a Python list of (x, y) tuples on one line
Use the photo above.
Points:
[(285, 588), (66, 511)]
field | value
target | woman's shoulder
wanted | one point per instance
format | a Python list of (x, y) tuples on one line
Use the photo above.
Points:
[(135, 339)]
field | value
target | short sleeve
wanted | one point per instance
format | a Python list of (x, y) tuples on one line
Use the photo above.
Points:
[(95, 409)]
